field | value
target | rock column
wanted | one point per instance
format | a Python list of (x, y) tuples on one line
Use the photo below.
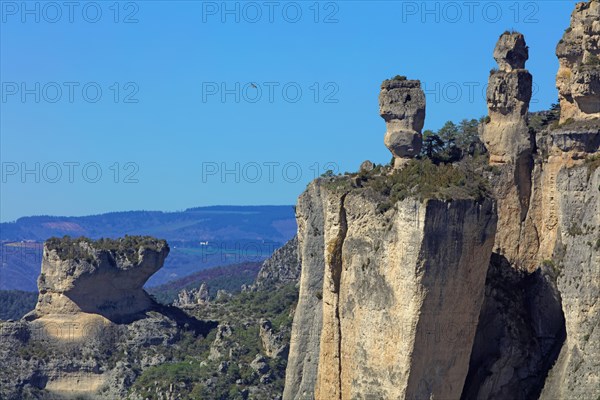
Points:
[(507, 138), (402, 106)]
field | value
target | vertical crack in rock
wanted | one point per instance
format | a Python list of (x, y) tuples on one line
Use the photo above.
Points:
[(336, 265), (338, 277), (523, 170)]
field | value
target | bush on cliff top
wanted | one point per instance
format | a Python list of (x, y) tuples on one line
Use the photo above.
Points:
[(70, 248), (422, 179)]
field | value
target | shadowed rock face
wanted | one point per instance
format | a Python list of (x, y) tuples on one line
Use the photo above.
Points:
[(578, 52), (520, 332), (82, 276), (402, 106)]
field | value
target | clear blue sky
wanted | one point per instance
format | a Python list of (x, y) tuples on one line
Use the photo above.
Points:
[(173, 56)]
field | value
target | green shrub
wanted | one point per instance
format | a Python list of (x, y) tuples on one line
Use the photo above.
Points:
[(548, 263), (574, 230), (73, 249), (593, 163), (592, 60), (422, 179)]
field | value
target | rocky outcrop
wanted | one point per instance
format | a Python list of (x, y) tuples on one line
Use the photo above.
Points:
[(402, 106), (578, 78), (192, 297), (389, 288), (507, 138), (103, 277), (86, 358), (274, 344), (94, 328), (282, 268)]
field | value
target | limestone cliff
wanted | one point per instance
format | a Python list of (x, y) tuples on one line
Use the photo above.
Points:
[(303, 359), (578, 78), (577, 260), (556, 237), (379, 277), (389, 302)]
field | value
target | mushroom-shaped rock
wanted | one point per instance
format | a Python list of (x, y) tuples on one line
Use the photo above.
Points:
[(104, 277), (402, 106), (511, 51)]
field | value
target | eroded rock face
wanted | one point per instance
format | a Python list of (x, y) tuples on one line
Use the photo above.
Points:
[(511, 52), (577, 260), (104, 278), (303, 359), (282, 268), (520, 331), (273, 343), (578, 78), (193, 297), (388, 281), (402, 106)]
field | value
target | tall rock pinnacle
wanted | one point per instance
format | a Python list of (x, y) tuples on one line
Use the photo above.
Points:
[(402, 106), (506, 134), (510, 145)]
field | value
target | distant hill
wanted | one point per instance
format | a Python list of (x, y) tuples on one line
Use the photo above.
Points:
[(199, 238), (229, 278)]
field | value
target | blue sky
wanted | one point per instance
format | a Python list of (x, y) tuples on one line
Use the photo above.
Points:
[(162, 105)]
